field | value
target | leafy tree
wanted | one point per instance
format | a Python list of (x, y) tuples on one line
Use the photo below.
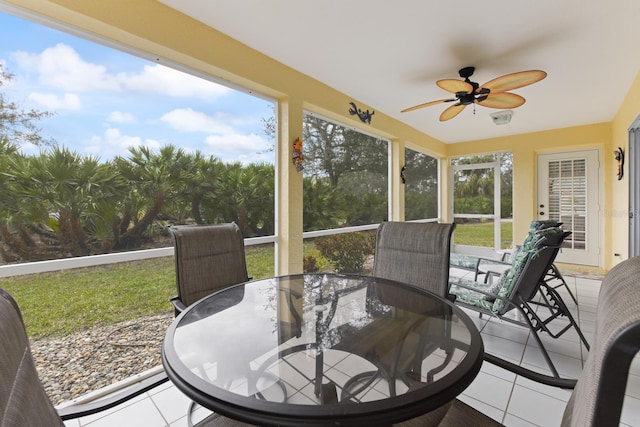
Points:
[(365, 196), (332, 150), (354, 165), (18, 125), (245, 195), (421, 186), (506, 185), (323, 205), (473, 189), (262, 206)]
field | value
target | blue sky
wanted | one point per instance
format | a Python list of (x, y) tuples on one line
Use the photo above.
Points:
[(105, 101)]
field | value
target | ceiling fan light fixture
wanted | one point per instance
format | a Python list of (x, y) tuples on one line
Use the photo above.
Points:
[(501, 117)]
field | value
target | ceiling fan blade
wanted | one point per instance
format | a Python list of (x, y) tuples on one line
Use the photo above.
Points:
[(427, 104), (502, 100), (455, 86), (514, 81), (451, 112)]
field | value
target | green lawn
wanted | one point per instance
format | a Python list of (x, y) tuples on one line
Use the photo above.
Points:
[(63, 302), (482, 234), (59, 303)]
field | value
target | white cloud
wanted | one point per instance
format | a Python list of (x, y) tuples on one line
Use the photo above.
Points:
[(235, 145), (120, 117), (113, 143), (160, 79), (61, 67), (50, 101), (188, 120), (30, 149)]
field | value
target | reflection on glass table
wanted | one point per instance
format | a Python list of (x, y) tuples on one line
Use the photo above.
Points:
[(322, 349)]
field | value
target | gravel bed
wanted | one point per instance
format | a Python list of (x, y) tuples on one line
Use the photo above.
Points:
[(99, 356)]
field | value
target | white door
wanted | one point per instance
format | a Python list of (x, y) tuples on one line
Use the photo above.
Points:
[(569, 192)]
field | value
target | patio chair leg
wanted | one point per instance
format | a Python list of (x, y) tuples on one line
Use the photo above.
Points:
[(554, 273), (190, 411), (533, 330), (565, 310)]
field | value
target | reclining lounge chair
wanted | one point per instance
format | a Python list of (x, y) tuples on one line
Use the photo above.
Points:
[(517, 288)]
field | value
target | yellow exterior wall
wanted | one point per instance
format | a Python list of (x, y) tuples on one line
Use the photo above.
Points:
[(525, 148), (617, 193), (149, 26)]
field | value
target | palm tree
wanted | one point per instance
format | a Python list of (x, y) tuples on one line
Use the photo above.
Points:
[(58, 204), (201, 179), (154, 179)]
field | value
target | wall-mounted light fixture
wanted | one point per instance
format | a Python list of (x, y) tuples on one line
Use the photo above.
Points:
[(619, 156)]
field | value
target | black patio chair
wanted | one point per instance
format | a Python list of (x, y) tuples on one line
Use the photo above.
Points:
[(599, 392), (208, 258), (491, 268), (416, 254), (517, 288), (23, 399)]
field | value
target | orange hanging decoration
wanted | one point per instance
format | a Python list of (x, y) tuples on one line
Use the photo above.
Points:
[(297, 157)]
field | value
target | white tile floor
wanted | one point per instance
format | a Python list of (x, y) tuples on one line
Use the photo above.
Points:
[(512, 400)]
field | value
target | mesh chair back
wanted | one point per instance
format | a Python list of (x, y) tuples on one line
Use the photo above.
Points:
[(598, 396), (414, 253), (23, 400), (208, 258), (543, 254)]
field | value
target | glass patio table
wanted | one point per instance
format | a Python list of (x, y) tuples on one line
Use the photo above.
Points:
[(322, 349)]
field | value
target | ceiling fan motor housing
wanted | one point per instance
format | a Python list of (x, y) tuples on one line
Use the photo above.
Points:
[(466, 72)]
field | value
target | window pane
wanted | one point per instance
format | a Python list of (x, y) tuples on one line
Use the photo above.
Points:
[(345, 176), (506, 185), (420, 186), (473, 191), (350, 252), (474, 201), (474, 232), (148, 146)]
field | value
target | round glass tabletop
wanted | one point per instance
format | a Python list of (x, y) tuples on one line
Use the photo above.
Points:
[(322, 349)]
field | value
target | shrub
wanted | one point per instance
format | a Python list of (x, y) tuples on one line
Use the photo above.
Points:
[(348, 252), (309, 264)]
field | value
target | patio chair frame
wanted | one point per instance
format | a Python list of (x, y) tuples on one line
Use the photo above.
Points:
[(528, 283)]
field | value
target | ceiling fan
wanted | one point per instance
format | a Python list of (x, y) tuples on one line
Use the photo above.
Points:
[(492, 94)]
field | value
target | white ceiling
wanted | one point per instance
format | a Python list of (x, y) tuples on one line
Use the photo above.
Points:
[(388, 55)]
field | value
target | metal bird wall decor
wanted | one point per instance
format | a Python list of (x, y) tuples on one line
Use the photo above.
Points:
[(365, 116)]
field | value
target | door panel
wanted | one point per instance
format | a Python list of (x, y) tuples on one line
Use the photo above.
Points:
[(568, 192)]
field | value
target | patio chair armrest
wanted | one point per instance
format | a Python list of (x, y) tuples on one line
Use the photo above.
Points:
[(566, 383), (491, 261), (480, 291), (178, 305), (82, 409), (484, 266)]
